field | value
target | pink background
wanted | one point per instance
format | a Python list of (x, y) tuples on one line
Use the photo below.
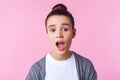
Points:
[(23, 39)]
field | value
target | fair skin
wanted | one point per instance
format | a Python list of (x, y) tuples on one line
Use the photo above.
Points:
[(60, 34)]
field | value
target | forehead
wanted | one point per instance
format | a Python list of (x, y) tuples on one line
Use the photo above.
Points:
[(58, 20)]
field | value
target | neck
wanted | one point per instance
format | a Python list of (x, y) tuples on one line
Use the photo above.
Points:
[(61, 56)]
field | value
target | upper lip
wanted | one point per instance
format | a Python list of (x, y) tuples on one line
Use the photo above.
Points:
[(60, 41)]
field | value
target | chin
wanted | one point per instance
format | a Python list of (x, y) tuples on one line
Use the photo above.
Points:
[(61, 52)]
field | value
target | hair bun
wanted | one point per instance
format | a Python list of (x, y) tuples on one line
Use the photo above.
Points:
[(59, 7)]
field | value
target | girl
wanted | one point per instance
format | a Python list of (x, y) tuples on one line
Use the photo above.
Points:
[(61, 63)]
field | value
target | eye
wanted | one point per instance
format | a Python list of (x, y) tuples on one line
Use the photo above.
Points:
[(52, 30), (65, 29)]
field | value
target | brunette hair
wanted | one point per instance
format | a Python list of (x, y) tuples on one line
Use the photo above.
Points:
[(60, 9)]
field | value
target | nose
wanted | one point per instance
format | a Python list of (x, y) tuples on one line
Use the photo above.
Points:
[(59, 34)]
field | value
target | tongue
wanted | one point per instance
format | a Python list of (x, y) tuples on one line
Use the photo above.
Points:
[(60, 46)]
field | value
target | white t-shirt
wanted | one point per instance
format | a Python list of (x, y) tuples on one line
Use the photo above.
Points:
[(60, 70)]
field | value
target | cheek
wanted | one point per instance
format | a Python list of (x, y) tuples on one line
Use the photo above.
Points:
[(68, 39), (69, 35), (51, 38)]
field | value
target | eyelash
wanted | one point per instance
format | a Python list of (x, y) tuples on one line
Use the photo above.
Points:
[(65, 29), (52, 30)]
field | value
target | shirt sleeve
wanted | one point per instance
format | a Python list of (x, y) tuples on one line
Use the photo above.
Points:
[(90, 73), (32, 75), (37, 71)]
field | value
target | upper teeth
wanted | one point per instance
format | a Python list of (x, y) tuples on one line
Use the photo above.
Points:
[(59, 43)]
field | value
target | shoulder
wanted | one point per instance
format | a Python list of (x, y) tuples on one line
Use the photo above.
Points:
[(81, 59), (83, 62), (37, 71), (39, 64), (86, 66), (38, 67)]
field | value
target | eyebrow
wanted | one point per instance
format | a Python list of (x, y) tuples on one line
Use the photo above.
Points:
[(62, 24), (66, 24), (51, 26)]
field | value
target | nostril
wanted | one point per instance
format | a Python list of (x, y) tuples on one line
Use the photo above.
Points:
[(59, 36)]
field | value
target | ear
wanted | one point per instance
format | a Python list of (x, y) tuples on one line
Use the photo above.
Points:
[(74, 33)]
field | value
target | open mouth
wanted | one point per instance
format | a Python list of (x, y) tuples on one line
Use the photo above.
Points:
[(60, 45)]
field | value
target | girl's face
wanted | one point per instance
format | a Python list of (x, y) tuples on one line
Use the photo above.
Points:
[(60, 33)]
